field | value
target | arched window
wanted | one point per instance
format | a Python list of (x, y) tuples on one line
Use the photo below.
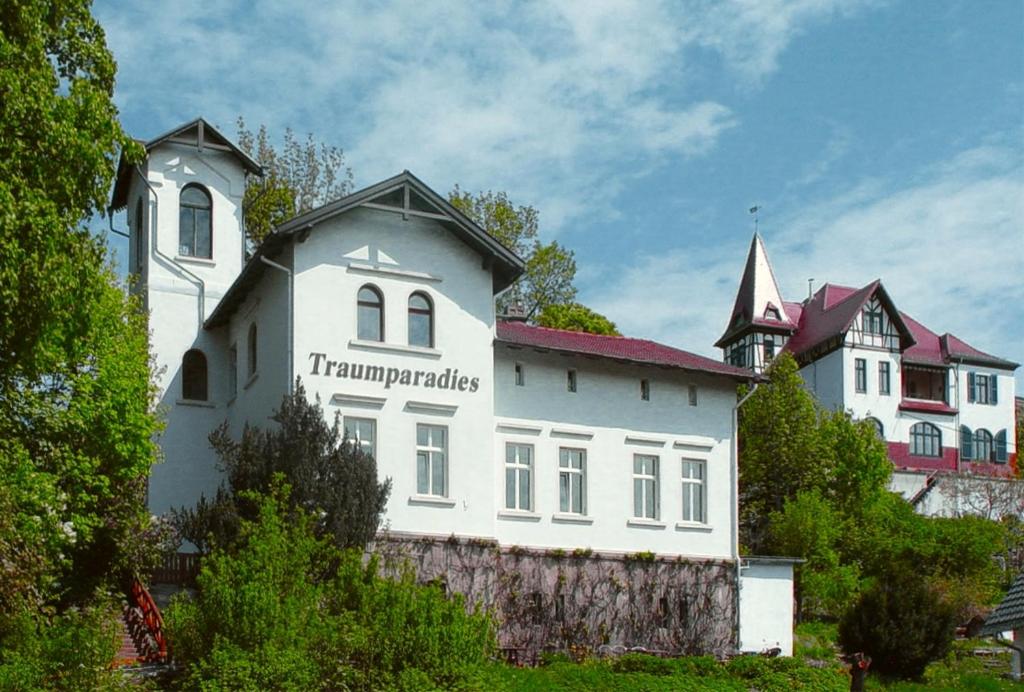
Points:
[(195, 230), (966, 443), (193, 375), (370, 314), (925, 440), (983, 447), (139, 236), (421, 320), (879, 428), (252, 350)]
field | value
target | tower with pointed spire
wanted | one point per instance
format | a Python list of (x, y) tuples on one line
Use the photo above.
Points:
[(759, 326)]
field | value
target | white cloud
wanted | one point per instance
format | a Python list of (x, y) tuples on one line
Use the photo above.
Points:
[(948, 247), (544, 100)]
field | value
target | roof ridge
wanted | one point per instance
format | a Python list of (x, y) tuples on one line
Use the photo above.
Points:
[(875, 283), (576, 331)]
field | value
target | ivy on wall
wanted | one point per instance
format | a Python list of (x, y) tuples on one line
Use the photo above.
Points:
[(579, 601)]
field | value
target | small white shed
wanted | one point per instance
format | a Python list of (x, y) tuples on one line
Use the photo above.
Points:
[(766, 604)]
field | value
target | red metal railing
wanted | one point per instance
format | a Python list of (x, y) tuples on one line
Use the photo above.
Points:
[(145, 624)]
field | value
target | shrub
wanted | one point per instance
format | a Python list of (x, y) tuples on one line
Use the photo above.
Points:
[(287, 610), (901, 623), (71, 651)]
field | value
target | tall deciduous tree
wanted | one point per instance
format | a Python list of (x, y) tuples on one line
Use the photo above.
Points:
[(550, 268), (301, 175), (76, 422), (576, 318)]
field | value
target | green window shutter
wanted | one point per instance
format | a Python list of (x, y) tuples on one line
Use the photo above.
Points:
[(970, 387), (966, 443), (1001, 446), (993, 394)]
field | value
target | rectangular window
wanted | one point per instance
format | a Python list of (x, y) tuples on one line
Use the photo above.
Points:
[(645, 390), (694, 491), (861, 369), (432, 460), (518, 476), (692, 391), (570, 380), (645, 486), (769, 349), (981, 388), (363, 433), (233, 371), (883, 378), (572, 480), (520, 376)]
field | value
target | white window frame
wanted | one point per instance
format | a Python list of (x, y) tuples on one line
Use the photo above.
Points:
[(517, 468), (646, 491), (566, 473), (860, 375), (432, 453), (694, 485), (356, 436)]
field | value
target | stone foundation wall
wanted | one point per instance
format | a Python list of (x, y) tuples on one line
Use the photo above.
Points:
[(580, 601)]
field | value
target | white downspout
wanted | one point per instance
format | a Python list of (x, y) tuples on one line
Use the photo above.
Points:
[(291, 325), (735, 470), (156, 249)]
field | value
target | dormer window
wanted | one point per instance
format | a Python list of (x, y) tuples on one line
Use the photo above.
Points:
[(195, 230), (772, 313)]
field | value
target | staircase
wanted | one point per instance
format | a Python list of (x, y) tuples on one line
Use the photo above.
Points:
[(142, 635)]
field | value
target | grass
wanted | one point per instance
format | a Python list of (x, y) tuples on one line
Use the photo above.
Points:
[(814, 667)]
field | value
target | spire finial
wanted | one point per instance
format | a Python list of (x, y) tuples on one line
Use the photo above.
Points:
[(753, 210)]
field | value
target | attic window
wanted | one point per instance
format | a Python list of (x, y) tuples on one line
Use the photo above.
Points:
[(772, 313)]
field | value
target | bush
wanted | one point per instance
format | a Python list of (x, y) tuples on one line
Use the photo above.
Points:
[(72, 651), (288, 610), (901, 623)]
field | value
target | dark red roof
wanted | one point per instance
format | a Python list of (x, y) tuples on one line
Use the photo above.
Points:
[(921, 406), (619, 348), (828, 314), (927, 350)]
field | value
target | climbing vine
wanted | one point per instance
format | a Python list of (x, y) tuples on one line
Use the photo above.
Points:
[(579, 601)]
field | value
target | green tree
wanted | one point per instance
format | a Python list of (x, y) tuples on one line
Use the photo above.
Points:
[(780, 450), (901, 623), (301, 175), (809, 527), (576, 318), (330, 476), (76, 403), (550, 268)]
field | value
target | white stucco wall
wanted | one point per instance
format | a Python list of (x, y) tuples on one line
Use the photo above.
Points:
[(825, 379), (766, 606), (607, 418), (180, 293), (398, 257)]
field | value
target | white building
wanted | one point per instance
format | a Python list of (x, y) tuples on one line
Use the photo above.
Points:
[(536, 441), (944, 408)]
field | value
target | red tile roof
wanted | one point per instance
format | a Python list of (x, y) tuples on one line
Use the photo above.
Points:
[(619, 348), (828, 314)]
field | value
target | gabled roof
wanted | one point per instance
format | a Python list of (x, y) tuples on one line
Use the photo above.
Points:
[(829, 314), (619, 348), (404, 194), (198, 133), (1008, 615), (758, 292)]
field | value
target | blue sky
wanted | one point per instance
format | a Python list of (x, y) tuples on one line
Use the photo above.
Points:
[(881, 139)]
